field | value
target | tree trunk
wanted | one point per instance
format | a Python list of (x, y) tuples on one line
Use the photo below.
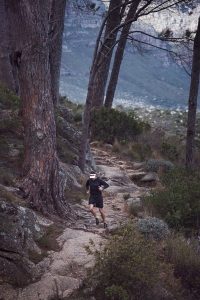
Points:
[(192, 102), (29, 31), (86, 121), (6, 69), (55, 39), (102, 75), (119, 56)]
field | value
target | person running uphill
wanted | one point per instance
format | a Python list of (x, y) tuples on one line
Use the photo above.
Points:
[(95, 186)]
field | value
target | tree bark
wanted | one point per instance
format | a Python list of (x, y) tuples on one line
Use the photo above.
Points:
[(56, 28), (29, 29), (102, 75), (119, 56), (192, 102), (6, 69)]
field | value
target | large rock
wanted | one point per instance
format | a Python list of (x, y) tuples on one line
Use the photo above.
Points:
[(118, 180), (19, 230), (67, 266)]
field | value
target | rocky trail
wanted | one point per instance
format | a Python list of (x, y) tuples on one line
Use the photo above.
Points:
[(63, 272)]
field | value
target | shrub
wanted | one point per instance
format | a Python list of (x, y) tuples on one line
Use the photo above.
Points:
[(169, 150), (153, 227), (108, 124), (153, 138), (154, 164), (142, 151), (8, 99), (126, 196), (6, 178), (8, 196), (178, 202), (77, 115), (127, 268), (185, 257)]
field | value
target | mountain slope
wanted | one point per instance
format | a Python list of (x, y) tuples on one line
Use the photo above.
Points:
[(150, 80)]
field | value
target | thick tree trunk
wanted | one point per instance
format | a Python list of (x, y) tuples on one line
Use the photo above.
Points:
[(55, 39), (192, 102), (119, 56), (6, 69), (102, 75), (29, 31)]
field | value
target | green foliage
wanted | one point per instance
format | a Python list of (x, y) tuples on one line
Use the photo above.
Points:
[(154, 164), (153, 227), (57, 292), (64, 155), (6, 195), (6, 178), (76, 110), (178, 202), (11, 124), (127, 268), (108, 124), (46, 241), (36, 257), (126, 196), (142, 151), (8, 99), (134, 210), (77, 115), (169, 150), (184, 255)]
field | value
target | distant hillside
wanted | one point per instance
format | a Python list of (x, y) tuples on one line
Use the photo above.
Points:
[(150, 80)]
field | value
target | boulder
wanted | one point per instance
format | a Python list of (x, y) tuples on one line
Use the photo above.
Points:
[(139, 165), (152, 176), (137, 176), (19, 229)]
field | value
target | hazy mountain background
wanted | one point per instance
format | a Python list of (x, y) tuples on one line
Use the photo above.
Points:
[(151, 80)]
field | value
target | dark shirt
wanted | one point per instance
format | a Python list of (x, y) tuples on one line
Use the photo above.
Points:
[(94, 184)]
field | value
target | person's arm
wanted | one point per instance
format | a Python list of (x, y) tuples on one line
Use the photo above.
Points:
[(87, 185), (105, 185)]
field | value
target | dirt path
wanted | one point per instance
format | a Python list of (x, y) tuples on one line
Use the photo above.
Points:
[(65, 270)]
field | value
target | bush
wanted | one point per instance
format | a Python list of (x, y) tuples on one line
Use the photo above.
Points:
[(8, 99), (169, 150), (154, 164), (6, 178), (108, 124), (142, 151), (185, 257), (127, 268), (126, 196), (178, 202), (153, 227)]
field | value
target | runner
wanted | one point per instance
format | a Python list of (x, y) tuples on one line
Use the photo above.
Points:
[(95, 186)]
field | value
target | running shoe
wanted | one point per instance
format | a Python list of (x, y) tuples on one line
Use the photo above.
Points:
[(97, 221), (105, 225)]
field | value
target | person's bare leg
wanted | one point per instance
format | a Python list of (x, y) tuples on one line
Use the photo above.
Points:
[(102, 214), (91, 208)]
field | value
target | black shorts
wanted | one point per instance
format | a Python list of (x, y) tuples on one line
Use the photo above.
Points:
[(96, 201)]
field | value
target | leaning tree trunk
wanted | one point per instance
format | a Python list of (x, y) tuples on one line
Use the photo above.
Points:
[(119, 56), (192, 103), (55, 38), (102, 75), (29, 25)]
